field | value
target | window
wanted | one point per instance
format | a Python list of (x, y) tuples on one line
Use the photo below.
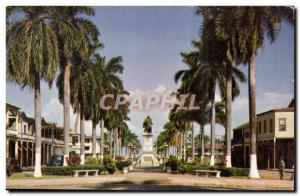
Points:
[(265, 126), (259, 127), (74, 140), (87, 148), (12, 123), (271, 125), (282, 124), (87, 141), (246, 134), (24, 129)]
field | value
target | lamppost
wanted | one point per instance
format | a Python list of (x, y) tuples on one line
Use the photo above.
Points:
[(188, 148), (164, 147), (130, 146), (134, 151)]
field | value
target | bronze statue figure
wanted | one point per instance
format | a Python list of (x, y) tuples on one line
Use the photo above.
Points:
[(147, 125)]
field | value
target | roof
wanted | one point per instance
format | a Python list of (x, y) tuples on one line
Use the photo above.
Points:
[(292, 103), (288, 109), (241, 126), (8, 105)]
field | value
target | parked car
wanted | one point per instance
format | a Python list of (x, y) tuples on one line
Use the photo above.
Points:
[(56, 160), (12, 166)]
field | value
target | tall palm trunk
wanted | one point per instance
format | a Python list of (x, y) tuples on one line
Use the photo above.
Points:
[(82, 141), (180, 145), (183, 145), (102, 139), (213, 128), (228, 115), (193, 142), (37, 115), (119, 147), (253, 173), (94, 139), (115, 143), (202, 144), (66, 110), (76, 122), (110, 142)]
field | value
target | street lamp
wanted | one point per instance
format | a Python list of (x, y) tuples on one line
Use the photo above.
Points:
[(130, 146), (164, 147)]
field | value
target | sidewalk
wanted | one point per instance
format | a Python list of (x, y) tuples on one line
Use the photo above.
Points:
[(150, 180)]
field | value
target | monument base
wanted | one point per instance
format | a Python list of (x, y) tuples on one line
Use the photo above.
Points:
[(149, 160)]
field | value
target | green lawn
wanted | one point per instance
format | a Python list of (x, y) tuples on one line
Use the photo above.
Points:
[(30, 176)]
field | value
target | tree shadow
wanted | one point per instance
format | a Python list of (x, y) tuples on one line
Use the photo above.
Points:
[(152, 185)]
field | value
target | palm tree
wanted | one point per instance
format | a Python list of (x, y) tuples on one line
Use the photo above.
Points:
[(260, 20), (81, 81), (76, 34), (32, 55), (107, 82), (171, 136), (228, 54), (251, 26), (115, 120)]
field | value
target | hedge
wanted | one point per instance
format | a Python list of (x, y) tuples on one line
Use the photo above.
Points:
[(58, 170), (233, 171), (68, 170), (98, 167), (226, 172)]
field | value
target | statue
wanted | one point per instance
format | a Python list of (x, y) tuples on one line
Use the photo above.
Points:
[(147, 125)]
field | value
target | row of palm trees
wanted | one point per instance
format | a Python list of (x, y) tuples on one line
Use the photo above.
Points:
[(229, 36), (44, 43)]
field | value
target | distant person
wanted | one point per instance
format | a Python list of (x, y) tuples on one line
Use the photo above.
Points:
[(281, 168)]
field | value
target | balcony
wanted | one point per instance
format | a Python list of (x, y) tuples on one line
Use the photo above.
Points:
[(237, 141)]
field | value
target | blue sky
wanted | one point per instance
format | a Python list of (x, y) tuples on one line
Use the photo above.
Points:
[(150, 40)]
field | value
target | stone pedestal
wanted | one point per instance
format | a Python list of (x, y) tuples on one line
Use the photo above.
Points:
[(148, 159)]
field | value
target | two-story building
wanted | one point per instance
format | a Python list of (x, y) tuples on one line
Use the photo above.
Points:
[(20, 137), (275, 139), (75, 149), (240, 146)]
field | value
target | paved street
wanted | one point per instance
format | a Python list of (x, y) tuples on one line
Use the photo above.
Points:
[(149, 179)]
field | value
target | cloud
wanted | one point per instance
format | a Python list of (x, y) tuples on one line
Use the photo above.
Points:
[(53, 111), (160, 88), (265, 101)]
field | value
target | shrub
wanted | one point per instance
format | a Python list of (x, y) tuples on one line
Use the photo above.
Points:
[(232, 171), (58, 170), (173, 163), (206, 160), (107, 159), (167, 164), (129, 162), (98, 167), (119, 158), (73, 160), (93, 160), (190, 168), (243, 172), (68, 170), (111, 168), (123, 163), (183, 168)]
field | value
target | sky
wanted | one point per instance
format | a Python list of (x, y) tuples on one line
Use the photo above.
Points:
[(150, 40)]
